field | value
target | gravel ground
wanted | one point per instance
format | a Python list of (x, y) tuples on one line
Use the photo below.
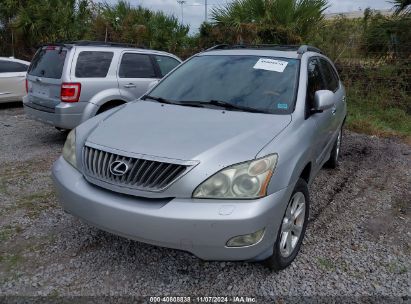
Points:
[(357, 242)]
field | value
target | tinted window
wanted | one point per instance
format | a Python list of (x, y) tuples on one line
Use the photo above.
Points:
[(136, 66), (264, 84), (93, 64), (48, 63), (330, 77), (315, 81), (12, 67), (166, 64)]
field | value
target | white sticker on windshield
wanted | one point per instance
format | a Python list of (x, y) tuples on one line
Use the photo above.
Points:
[(271, 65)]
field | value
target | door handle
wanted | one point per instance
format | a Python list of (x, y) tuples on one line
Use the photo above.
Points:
[(130, 85), (334, 110)]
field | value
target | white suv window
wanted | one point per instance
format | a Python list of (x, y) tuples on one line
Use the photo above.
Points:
[(166, 64), (93, 64), (135, 65)]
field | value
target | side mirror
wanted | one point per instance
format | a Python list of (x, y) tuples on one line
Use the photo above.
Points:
[(323, 100), (152, 84)]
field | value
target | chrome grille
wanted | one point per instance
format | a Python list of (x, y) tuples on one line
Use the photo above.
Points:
[(142, 174)]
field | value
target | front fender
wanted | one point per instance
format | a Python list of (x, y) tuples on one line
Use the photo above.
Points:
[(294, 150)]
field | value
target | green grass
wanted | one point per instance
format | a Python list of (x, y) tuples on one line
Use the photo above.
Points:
[(10, 261), (7, 232), (395, 267), (326, 264), (35, 203), (376, 113)]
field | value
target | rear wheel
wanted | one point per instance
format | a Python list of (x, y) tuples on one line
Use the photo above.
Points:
[(335, 152), (292, 230)]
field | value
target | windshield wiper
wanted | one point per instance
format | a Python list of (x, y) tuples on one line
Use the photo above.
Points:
[(159, 99), (213, 102), (225, 105), (167, 101)]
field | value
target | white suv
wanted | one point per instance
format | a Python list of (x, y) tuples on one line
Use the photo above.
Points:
[(12, 79), (69, 83)]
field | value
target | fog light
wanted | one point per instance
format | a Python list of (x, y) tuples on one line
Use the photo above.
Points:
[(246, 240)]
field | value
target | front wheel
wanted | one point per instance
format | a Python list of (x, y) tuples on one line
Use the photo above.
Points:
[(292, 229), (335, 152)]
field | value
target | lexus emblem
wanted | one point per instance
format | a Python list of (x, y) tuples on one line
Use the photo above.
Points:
[(119, 168)]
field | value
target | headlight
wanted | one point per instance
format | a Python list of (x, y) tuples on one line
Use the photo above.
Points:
[(245, 180), (69, 149)]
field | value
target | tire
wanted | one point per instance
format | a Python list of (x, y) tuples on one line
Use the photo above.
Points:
[(282, 257), (335, 152)]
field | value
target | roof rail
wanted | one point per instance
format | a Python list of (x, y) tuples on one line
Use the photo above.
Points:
[(92, 43), (103, 43), (300, 49), (217, 47), (308, 48)]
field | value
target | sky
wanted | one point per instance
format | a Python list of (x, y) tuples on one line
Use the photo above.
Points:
[(193, 10)]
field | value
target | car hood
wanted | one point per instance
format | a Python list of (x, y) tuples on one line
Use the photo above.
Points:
[(186, 133)]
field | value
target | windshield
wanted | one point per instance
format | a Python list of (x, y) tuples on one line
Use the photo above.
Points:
[(266, 84)]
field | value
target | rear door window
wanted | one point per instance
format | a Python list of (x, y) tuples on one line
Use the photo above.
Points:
[(12, 67), (330, 77), (166, 64), (48, 62), (93, 64), (135, 65)]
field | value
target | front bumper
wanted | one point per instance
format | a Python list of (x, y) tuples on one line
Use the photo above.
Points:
[(64, 115), (201, 227)]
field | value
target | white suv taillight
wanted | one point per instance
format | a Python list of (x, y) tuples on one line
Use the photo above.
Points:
[(70, 91)]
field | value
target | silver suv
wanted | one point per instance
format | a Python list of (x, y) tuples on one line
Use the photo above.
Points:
[(69, 83), (216, 159)]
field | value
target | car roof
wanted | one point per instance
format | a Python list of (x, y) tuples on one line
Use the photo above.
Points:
[(14, 60), (272, 50), (114, 46), (121, 49), (248, 52)]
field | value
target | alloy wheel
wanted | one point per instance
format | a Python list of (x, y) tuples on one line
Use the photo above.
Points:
[(292, 225)]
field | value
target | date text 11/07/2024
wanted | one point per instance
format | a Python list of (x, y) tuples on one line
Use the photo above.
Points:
[(203, 299)]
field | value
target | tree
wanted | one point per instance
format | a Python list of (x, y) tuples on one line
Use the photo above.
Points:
[(138, 26), (273, 21), (402, 6), (35, 23)]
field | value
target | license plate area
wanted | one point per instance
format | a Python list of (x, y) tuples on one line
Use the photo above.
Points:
[(41, 91)]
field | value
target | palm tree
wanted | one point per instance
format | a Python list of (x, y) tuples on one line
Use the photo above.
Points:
[(282, 20), (402, 6)]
